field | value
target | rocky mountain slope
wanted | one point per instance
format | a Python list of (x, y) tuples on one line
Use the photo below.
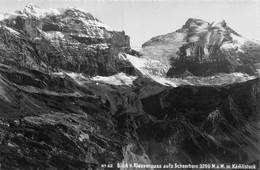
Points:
[(74, 95), (54, 42)]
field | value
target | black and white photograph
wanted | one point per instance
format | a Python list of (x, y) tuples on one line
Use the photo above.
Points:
[(129, 84)]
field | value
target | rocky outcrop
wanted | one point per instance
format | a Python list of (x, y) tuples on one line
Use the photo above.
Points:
[(204, 124)]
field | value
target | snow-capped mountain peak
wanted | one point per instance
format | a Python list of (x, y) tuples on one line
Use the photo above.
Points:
[(35, 11), (206, 48), (68, 14), (32, 10)]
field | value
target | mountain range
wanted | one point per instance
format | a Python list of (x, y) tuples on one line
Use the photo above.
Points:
[(75, 95)]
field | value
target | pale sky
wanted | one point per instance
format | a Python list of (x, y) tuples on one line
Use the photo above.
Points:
[(144, 19)]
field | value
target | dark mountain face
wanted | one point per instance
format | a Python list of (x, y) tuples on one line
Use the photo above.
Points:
[(204, 123), (71, 97)]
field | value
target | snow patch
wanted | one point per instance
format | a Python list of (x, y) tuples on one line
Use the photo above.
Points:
[(139, 63), (239, 74), (236, 44), (58, 73), (214, 115), (33, 10), (243, 75), (232, 46), (143, 65), (101, 46), (83, 136), (163, 80), (76, 75), (117, 79), (12, 30), (146, 65), (53, 35)]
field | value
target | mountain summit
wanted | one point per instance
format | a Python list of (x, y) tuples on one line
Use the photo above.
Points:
[(205, 49), (65, 39)]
